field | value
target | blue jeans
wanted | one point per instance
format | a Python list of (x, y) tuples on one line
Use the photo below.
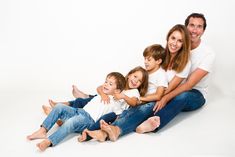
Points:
[(186, 101), (75, 120), (80, 102), (134, 116)]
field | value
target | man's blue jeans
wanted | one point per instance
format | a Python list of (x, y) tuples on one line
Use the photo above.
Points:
[(186, 101)]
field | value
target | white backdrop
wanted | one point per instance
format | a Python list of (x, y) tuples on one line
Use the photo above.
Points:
[(48, 45)]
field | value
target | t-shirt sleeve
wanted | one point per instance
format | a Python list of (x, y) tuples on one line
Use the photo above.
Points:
[(162, 80), (186, 71), (207, 62)]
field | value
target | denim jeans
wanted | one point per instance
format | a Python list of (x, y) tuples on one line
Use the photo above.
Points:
[(75, 120), (80, 102), (134, 116), (186, 101)]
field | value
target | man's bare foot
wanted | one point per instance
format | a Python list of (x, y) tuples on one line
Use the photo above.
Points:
[(83, 137), (44, 144), (39, 134), (149, 125), (78, 94), (98, 135), (46, 109), (52, 103), (112, 131)]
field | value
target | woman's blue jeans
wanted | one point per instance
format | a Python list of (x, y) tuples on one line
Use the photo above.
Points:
[(186, 101)]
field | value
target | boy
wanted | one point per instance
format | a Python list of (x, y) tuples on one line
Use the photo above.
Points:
[(76, 120)]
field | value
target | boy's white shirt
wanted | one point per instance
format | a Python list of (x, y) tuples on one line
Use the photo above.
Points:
[(157, 79), (96, 108)]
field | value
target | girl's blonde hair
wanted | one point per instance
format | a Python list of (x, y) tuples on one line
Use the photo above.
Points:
[(181, 59), (144, 85)]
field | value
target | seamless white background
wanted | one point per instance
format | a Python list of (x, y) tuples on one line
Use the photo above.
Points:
[(48, 45)]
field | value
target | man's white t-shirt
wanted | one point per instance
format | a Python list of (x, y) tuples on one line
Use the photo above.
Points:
[(202, 57), (96, 108), (157, 79)]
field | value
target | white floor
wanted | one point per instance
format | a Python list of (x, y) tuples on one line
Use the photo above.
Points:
[(207, 132)]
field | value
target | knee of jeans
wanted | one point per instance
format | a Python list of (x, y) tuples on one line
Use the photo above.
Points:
[(59, 107), (182, 96)]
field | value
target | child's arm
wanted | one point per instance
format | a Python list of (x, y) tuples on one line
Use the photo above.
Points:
[(104, 97), (132, 101), (155, 96)]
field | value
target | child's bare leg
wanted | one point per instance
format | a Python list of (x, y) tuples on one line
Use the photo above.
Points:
[(44, 144), (112, 131), (46, 109), (39, 134), (99, 135), (149, 125), (78, 94)]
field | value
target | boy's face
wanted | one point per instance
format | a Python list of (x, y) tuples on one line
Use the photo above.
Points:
[(151, 64), (110, 86)]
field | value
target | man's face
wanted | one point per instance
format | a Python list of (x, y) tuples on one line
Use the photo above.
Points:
[(195, 28)]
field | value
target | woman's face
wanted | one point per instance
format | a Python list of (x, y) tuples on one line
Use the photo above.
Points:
[(175, 42)]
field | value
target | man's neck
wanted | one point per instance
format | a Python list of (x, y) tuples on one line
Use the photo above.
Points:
[(195, 44)]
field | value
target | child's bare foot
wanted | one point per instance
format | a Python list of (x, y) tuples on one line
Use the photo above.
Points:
[(44, 144), (149, 125), (46, 109), (83, 137), (52, 103), (99, 135), (39, 134), (112, 131), (78, 94)]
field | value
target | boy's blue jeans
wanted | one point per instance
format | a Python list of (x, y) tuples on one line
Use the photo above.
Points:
[(186, 101), (75, 120)]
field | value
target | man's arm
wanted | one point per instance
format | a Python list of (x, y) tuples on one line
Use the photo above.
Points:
[(192, 80)]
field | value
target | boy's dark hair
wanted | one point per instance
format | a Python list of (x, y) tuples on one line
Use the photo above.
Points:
[(156, 51), (120, 80), (196, 15)]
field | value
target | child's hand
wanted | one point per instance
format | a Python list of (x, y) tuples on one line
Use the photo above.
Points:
[(118, 96), (105, 99)]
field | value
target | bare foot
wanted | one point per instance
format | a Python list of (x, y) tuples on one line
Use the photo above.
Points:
[(149, 125), (112, 131), (99, 135), (83, 137), (46, 109), (78, 94), (52, 103), (39, 134), (44, 144)]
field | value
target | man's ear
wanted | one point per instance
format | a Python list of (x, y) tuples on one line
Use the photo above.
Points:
[(117, 91)]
